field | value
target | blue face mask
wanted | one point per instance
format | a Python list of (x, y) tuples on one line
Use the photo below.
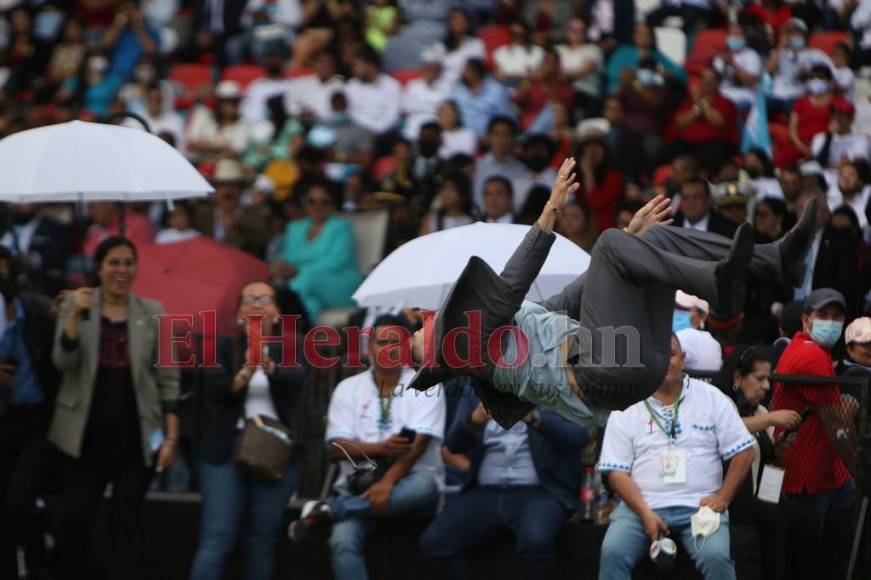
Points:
[(796, 42), (681, 320), (826, 332), (735, 43)]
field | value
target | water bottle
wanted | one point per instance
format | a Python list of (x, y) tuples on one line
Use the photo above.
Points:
[(603, 508), (588, 496), (21, 563)]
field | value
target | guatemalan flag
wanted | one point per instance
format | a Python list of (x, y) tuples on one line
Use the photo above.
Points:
[(756, 135)]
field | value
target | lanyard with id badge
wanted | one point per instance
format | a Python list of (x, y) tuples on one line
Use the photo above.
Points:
[(672, 461)]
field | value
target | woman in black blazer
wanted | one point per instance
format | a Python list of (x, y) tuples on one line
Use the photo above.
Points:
[(234, 392)]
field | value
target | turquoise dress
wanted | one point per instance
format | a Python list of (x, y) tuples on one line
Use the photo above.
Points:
[(626, 56), (327, 272)]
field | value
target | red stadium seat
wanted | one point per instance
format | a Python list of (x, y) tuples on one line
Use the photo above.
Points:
[(827, 41), (406, 76), (707, 44), (494, 36), (244, 74), (190, 77)]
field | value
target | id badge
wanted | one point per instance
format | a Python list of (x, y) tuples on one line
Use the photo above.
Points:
[(673, 466)]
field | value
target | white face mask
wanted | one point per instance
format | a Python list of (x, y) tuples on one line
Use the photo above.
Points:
[(704, 523)]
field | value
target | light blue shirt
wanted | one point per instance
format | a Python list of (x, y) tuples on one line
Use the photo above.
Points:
[(477, 108), (507, 458), (541, 376)]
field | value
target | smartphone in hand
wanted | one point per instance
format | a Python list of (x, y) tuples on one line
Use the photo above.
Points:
[(408, 434)]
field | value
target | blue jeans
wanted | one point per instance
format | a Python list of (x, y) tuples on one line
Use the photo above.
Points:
[(533, 515), (416, 494), (832, 540), (229, 496), (625, 543)]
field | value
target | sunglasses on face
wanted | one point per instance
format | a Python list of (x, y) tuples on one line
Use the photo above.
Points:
[(263, 300), (764, 214)]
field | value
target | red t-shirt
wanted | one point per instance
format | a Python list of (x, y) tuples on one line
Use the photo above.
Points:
[(812, 464), (605, 199), (701, 131), (813, 119)]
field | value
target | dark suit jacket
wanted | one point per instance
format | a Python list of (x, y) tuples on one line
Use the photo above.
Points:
[(717, 224), (38, 339), (232, 17), (555, 447), (48, 251), (249, 233), (837, 266), (223, 408)]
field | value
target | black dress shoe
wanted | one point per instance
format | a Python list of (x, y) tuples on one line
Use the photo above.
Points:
[(795, 244), (731, 272)]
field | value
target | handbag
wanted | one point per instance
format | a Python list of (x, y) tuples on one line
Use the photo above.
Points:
[(264, 449), (365, 473)]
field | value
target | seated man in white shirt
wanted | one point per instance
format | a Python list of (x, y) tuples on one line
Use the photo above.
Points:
[(702, 352), (374, 415), (839, 143), (664, 455), (375, 97)]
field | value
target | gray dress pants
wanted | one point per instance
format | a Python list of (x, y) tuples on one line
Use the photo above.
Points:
[(625, 300)]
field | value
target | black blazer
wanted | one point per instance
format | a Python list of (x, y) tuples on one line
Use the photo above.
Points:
[(48, 251), (717, 224), (223, 408), (39, 340)]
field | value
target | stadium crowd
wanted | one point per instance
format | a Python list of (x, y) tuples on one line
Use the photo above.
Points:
[(439, 114)]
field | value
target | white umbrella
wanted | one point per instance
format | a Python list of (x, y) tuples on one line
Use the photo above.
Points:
[(94, 162), (421, 272)]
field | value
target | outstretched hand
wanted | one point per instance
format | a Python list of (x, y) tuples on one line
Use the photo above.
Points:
[(657, 211), (564, 184)]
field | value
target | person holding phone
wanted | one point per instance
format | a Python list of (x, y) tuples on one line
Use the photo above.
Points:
[(235, 392), (115, 418), (388, 440), (28, 383)]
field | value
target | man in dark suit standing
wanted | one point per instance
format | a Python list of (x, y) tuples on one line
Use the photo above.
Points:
[(523, 479), (833, 259), (697, 212), (28, 384), (498, 201), (42, 245)]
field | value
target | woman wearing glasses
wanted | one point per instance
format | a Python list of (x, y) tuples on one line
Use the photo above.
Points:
[(319, 260), (115, 415), (234, 393)]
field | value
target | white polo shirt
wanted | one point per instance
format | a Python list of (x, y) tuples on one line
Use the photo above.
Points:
[(355, 413), (708, 429)]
